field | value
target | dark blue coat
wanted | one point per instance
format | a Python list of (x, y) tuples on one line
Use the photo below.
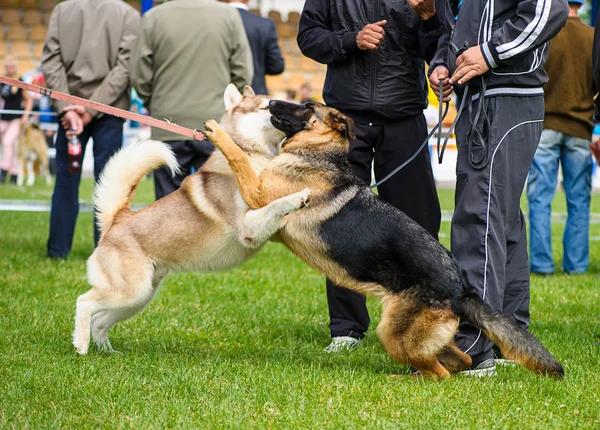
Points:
[(265, 49)]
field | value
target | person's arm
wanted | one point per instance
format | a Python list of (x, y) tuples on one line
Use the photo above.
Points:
[(141, 63), (274, 63), (317, 41), (52, 65), (28, 105), (240, 62), (535, 23), (431, 28), (117, 81)]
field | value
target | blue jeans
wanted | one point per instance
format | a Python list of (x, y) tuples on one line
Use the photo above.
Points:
[(107, 132), (575, 158)]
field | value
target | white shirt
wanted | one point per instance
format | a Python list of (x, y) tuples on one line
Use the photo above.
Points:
[(239, 5)]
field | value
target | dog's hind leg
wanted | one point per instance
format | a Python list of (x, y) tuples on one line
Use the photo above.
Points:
[(259, 225), (415, 334), (103, 321), (454, 359), (30, 172)]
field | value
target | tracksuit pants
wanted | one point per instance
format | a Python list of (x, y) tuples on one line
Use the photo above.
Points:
[(489, 238)]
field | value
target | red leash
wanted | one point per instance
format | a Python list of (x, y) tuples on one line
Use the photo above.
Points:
[(153, 122)]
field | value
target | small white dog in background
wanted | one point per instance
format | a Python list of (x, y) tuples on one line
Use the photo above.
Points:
[(32, 148)]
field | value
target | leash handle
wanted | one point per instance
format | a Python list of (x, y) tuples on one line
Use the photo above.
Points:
[(121, 113)]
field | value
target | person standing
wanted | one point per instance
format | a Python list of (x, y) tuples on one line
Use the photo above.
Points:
[(375, 54), (85, 54), (496, 66), (262, 36), (187, 52), (14, 99), (565, 140)]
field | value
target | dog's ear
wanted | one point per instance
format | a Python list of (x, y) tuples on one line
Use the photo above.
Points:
[(343, 124), (232, 97), (248, 91)]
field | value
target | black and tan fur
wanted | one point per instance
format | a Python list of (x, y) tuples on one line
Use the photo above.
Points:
[(365, 244)]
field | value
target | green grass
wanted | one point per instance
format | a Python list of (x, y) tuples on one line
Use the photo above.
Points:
[(244, 348)]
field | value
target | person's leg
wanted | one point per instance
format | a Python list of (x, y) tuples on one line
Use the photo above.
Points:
[(65, 199), (107, 132), (348, 313), (576, 162), (412, 189), (10, 144), (541, 185), (164, 181), (487, 213)]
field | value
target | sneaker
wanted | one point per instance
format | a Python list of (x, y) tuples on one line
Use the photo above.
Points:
[(485, 368), (342, 343), (505, 362)]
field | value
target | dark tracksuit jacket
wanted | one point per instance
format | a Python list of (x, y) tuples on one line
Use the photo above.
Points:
[(488, 236)]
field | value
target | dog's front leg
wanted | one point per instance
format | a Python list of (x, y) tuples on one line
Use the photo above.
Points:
[(259, 225), (248, 182)]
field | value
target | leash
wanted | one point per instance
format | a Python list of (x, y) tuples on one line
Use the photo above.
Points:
[(121, 113), (442, 115)]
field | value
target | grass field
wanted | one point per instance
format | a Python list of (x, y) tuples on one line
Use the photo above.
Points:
[(244, 348)]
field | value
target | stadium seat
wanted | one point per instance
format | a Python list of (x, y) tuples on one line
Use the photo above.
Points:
[(16, 32), (47, 4), (286, 31), (38, 49), (32, 17), (290, 46), (10, 16), (291, 62), (26, 65), (275, 83), (275, 16), (9, 3), (309, 65), (3, 48), (317, 82), (28, 4), (20, 49), (294, 18), (37, 33)]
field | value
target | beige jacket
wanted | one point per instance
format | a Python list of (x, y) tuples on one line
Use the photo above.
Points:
[(87, 50), (186, 54)]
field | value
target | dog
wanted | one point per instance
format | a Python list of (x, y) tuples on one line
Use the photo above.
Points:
[(32, 148), (365, 244), (196, 228)]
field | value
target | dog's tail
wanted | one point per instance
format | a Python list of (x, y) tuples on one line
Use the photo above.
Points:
[(515, 342), (121, 175)]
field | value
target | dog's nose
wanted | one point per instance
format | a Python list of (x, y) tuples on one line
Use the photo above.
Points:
[(274, 107)]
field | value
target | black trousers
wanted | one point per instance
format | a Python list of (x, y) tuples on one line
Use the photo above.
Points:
[(107, 133), (411, 190), (191, 154)]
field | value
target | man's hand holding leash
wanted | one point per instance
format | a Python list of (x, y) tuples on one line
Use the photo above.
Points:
[(470, 64)]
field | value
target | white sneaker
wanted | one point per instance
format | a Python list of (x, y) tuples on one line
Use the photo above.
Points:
[(504, 362), (485, 368), (342, 343)]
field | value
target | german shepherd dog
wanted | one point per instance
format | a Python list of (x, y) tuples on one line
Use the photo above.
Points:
[(200, 227), (365, 244)]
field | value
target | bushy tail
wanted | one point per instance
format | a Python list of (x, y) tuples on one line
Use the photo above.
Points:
[(121, 176), (515, 343)]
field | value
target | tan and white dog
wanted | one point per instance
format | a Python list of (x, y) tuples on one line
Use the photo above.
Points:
[(200, 227), (32, 148)]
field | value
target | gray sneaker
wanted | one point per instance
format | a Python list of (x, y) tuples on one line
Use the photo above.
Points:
[(504, 362), (485, 368), (342, 343)]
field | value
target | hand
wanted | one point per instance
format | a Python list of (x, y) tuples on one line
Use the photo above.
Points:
[(24, 119), (370, 36), (470, 64), (440, 74), (82, 112), (424, 8), (72, 121)]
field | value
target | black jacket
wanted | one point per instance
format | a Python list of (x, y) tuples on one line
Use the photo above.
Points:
[(388, 83), (514, 40), (266, 54)]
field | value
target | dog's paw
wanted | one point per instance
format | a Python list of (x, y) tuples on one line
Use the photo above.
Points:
[(213, 130), (306, 196), (81, 348)]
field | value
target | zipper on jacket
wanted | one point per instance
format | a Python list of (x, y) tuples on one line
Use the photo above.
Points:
[(373, 63)]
